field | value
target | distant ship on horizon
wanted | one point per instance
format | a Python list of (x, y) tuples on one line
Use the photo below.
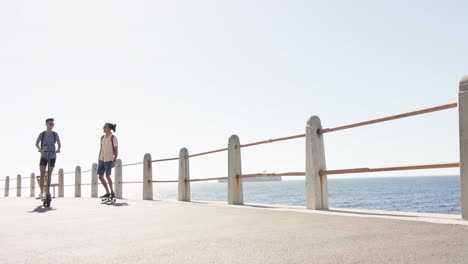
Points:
[(257, 179)]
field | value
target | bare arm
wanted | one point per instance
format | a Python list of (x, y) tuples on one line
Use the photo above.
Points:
[(116, 151), (37, 143), (100, 149), (59, 144)]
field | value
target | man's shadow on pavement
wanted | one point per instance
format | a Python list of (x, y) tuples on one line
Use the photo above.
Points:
[(42, 209)]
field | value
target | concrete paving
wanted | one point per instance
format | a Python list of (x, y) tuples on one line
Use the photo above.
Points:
[(86, 231)]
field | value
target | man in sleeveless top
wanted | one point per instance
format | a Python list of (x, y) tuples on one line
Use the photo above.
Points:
[(45, 143)]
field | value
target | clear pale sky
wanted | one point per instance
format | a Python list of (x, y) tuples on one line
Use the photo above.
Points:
[(176, 74)]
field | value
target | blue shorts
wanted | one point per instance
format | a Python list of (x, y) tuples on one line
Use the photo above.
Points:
[(104, 167)]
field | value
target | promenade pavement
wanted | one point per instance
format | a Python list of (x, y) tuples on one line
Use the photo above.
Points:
[(130, 231)]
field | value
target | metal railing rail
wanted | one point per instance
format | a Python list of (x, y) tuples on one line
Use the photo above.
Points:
[(131, 182), (162, 160), (274, 174), (399, 168), (272, 140), (389, 118), (165, 181), (207, 152), (208, 179), (132, 164)]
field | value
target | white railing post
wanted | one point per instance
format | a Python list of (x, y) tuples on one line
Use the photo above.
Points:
[(147, 177), (235, 193), (78, 181), (18, 185), (61, 184), (32, 185), (7, 186), (118, 179), (184, 176), (94, 181), (316, 185), (463, 127)]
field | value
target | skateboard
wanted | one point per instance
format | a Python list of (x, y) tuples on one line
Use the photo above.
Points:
[(109, 199)]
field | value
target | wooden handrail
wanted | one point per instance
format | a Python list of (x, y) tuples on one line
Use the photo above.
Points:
[(400, 168), (286, 174), (208, 152), (170, 181), (379, 120), (132, 182), (132, 164), (161, 160), (271, 140), (208, 179)]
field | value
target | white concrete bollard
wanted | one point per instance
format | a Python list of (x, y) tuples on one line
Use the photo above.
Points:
[(78, 181), (316, 185), (235, 192), (7, 186), (463, 127), (18, 185), (94, 181), (118, 179), (61, 184), (184, 176), (32, 185), (147, 177)]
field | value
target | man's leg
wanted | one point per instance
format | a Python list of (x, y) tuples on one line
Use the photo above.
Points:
[(41, 178), (49, 173), (100, 172), (108, 175), (104, 183), (108, 167)]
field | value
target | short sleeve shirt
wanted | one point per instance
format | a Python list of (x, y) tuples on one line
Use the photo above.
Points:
[(107, 152)]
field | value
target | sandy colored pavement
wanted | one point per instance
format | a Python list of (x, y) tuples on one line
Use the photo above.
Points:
[(86, 231)]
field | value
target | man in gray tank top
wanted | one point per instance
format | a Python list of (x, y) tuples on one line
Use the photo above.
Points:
[(45, 143)]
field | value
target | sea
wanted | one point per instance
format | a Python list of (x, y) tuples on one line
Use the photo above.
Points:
[(427, 194)]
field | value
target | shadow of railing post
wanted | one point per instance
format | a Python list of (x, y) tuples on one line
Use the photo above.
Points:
[(78, 181), (147, 177), (235, 192), (463, 126), (7, 186), (32, 185), (316, 185), (94, 181), (184, 176), (118, 179), (18, 185)]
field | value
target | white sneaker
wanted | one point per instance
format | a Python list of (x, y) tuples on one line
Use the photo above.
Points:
[(41, 195)]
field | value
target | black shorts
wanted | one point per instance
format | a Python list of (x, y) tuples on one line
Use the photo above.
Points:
[(43, 162)]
